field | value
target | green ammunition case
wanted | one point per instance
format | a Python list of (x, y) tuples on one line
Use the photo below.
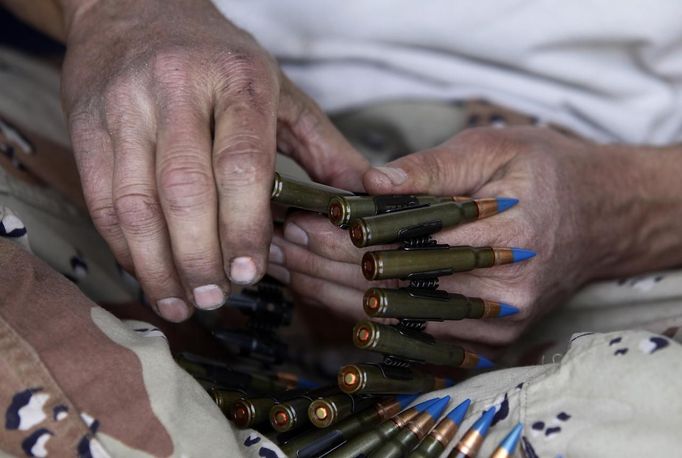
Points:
[(415, 263), (409, 224), (292, 413), (430, 447), (307, 196), (324, 412), (413, 346), (379, 379), (247, 413), (421, 304), (343, 209)]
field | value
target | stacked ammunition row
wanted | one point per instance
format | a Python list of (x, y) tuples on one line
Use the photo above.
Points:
[(365, 413)]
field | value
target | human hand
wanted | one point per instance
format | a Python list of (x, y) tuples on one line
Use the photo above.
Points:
[(571, 196), (175, 115)]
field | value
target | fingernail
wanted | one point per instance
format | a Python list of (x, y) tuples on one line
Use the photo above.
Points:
[(279, 273), (295, 234), (243, 270), (208, 297), (395, 175), (173, 309), (276, 254)]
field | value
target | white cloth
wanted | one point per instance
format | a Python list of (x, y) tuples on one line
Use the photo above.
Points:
[(611, 71)]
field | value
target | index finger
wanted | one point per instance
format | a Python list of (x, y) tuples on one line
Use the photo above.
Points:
[(243, 165)]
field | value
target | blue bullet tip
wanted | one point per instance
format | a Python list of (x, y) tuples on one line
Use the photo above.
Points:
[(422, 406), (405, 399), (511, 440), (437, 408), (520, 254), (484, 363), (483, 423), (507, 310), (505, 203), (457, 414)]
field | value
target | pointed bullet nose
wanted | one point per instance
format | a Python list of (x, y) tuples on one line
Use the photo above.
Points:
[(437, 408), (520, 254), (405, 400), (511, 440), (422, 406), (484, 363), (505, 203), (507, 310), (483, 423), (457, 414)]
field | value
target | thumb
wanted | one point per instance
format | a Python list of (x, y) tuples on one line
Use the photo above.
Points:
[(461, 166), (307, 135)]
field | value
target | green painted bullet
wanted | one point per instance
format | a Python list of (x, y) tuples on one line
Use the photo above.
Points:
[(419, 222), (414, 346), (343, 209), (307, 196), (430, 305), (324, 412), (319, 441), (415, 263), (370, 440), (380, 379)]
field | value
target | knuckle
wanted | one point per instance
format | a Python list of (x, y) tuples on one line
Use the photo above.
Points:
[(240, 162), (138, 213), (184, 185), (104, 216), (172, 67)]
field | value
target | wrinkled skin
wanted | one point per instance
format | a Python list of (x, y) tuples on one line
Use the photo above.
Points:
[(581, 210), (175, 115)]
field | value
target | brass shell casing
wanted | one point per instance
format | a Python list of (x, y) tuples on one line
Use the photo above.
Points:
[(419, 348), (307, 196), (433, 262), (411, 223)]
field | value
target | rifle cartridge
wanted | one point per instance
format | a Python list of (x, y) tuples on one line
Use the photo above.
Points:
[(414, 431), (430, 305), (306, 196), (470, 443), (246, 413), (224, 399), (324, 412), (409, 224), (440, 437), (368, 441), (322, 440), (378, 379), (435, 261), (413, 346), (343, 209), (508, 445), (292, 413)]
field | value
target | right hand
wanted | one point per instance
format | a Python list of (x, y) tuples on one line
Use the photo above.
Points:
[(175, 115)]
